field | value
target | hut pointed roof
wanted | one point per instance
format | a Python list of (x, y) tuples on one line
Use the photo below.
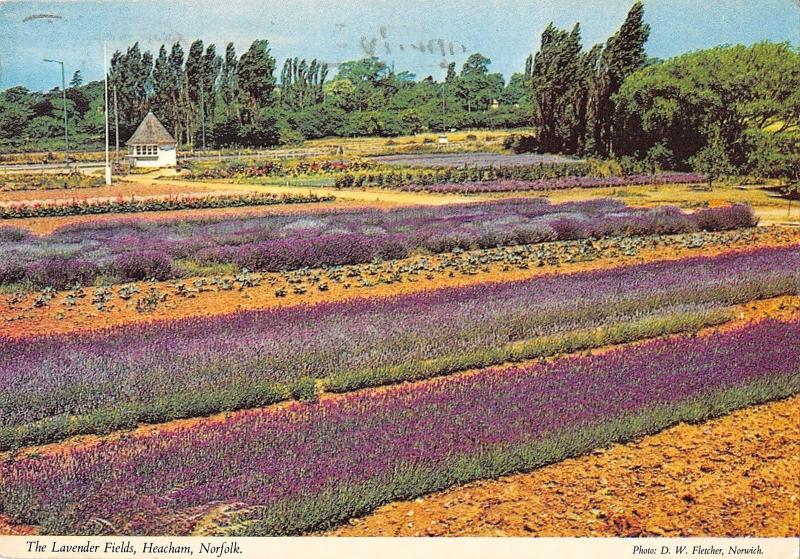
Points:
[(151, 131)]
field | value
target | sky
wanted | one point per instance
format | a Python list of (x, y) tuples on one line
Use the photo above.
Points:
[(415, 35)]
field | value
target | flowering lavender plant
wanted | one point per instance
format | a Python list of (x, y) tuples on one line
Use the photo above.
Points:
[(197, 366), (312, 465), (284, 242)]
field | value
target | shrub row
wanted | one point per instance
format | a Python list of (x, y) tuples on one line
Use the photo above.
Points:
[(349, 248), (367, 341), (274, 168), (48, 181), (134, 205), (536, 348), (543, 185), (395, 178), (79, 252)]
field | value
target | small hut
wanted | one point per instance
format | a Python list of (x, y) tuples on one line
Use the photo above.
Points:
[(151, 145)]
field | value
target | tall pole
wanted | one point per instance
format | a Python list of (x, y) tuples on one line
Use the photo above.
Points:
[(105, 84), (116, 123), (64, 99), (444, 108)]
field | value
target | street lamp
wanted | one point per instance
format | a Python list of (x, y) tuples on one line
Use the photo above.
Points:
[(64, 97)]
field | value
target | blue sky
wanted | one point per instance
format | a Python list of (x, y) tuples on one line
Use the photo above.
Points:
[(336, 30)]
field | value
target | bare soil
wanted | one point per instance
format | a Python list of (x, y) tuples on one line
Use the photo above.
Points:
[(124, 188), (733, 476)]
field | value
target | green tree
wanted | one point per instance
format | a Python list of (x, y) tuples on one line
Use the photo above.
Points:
[(556, 81), (256, 80), (162, 89), (712, 160), (302, 83), (371, 80), (15, 112), (476, 87), (130, 74), (733, 92), (77, 79), (624, 54), (451, 73), (228, 87)]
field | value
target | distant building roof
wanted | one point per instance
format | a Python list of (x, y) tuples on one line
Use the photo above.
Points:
[(151, 131)]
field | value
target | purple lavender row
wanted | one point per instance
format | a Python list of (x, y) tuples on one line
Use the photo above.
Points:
[(310, 466), (562, 183), (200, 362), (133, 249)]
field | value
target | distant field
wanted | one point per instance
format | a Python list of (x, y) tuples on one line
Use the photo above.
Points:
[(462, 141), (473, 159)]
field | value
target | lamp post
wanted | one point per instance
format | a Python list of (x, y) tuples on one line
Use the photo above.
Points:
[(64, 98)]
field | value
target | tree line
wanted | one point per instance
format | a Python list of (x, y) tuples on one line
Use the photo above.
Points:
[(223, 100), (726, 109)]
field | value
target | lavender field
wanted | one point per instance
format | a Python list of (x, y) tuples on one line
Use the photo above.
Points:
[(473, 159), (136, 249), (56, 386), (311, 466), (359, 275)]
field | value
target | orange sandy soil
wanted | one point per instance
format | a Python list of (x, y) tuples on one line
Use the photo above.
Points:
[(122, 188), (363, 194), (10, 528), (733, 476), (781, 308), (19, 318)]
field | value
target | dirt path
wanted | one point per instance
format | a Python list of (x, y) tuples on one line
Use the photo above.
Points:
[(734, 476), (361, 195), (124, 188)]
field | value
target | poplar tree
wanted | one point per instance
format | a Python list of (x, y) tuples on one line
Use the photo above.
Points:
[(131, 73), (556, 81), (162, 90), (227, 84), (175, 87), (255, 78), (194, 74), (623, 55)]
